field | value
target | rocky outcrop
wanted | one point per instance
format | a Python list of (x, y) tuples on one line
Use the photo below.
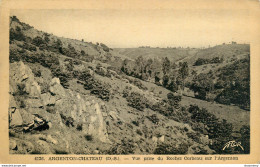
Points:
[(29, 110)]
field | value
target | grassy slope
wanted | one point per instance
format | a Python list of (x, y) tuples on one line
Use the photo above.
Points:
[(173, 54)]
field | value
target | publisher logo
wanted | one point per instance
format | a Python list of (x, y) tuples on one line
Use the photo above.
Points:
[(232, 144)]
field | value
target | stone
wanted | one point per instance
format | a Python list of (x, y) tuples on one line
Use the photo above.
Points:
[(21, 74), (49, 124), (57, 89), (12, 144), (51, 140), (96, 151), (48, 99), (16, 118), (33, 103), (154, 139), (97, 127), (26, 117), (161, 139), (55, 81)]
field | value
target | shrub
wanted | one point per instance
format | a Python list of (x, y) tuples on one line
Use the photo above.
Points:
[(163, 108), (125, 92), (46, 39), (17, 34), (21, 89), (125, 147), (105, 48), (139, 132), (245, 139), (29, 47), (38, 41), (13, 56), (136, 123), (173, 100), (88, 137), (171, 149), (139, 84), (137, 101), (194, 136), (102, 91), (154, 119), (68, 121), (79, 127)]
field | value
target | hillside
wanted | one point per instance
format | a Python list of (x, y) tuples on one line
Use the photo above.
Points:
[(107, 102), (174, 54)]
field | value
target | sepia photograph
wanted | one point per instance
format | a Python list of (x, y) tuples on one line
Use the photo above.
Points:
[(129, 82), (120, 82)]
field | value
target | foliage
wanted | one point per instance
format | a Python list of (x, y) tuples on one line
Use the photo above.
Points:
[(17, 34), (201, 84), (218, 130), (124, 148), (137, 101), (100, 89), (67, 120), (37, 41), (171, 149), (236, 83), (154, 119), (202, 61), (139, 84), (105, 48), (166, 65), (245, 139), (173, 100)]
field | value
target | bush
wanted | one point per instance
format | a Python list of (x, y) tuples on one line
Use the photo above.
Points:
[(137, 101), (154, 119), (136, 123), (100, 89), (125, 147), (171, 149), (163, 108), (79, 127), (245, 139), (13, 56), (38, 41), (105, 48), (21, 90), (139, 84), (17, 34), (29, 47), (68, 121), (201, 61), (139, 132), (88, 137), (173, 100)]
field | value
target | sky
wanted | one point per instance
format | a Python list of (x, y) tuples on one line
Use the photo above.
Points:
[(143, 27)]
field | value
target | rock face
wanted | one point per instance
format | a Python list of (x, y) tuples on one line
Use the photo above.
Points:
[(29, 110)]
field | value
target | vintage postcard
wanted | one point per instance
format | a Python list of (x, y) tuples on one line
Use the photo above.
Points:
[(130, 81)]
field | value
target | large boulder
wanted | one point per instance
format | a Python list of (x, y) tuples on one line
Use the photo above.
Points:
[(97, 127), (15, 118), (56, 88), (22, 80)]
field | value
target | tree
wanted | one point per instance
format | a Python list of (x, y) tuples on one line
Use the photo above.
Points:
[(139, 66), (202, 84), (165, 81), (166, 65), (183, 73)]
